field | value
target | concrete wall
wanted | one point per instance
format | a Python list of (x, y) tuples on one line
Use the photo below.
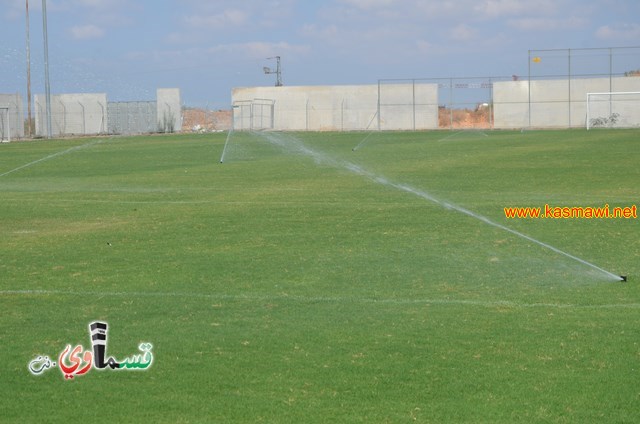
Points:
[(333, 108), (414, 106), (14, 118), (169, 109), (72, 114), (409, 106), (556, 103), (88, 114), (314, 108), (511, 104), (627, 106)]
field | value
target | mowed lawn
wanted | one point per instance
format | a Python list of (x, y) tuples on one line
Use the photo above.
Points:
[(301, 281)]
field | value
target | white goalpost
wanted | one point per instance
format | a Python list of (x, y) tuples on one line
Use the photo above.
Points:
[(619, 109), (5, 125)]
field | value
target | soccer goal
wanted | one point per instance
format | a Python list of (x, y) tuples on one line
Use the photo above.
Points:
[(5, 125), (613, 110), (253, 115)]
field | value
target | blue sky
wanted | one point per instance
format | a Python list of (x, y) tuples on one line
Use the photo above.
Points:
[(128, 48)]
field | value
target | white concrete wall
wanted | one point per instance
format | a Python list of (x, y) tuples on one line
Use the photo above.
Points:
[(315, 108), (72, 114), (15, 116), (408, 106), (511, 104), (627, 106), (339, 108), (169, 106), (86, 114), (556, 103)]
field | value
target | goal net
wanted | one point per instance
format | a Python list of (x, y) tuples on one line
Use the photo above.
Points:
[(613, 110)]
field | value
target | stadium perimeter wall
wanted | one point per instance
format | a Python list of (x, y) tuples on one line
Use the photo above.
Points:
[(15, 115), (91, 114), (556, 103), (333, 108), (541, 103), (169, 110), (72, 114)]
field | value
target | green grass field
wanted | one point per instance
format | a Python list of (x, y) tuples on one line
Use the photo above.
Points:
[(300, 281)]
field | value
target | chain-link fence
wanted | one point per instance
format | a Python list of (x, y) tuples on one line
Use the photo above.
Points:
[(559, 81), (436, 103), (92, 114), (132, 117), (552, 94)]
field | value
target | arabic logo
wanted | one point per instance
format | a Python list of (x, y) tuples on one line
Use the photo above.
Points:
[(40, 364), (78, 361)]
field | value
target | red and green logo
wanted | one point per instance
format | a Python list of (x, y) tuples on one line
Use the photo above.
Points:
[(78, 361)]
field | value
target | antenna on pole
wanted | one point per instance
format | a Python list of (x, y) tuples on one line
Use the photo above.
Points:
[(278, 70)]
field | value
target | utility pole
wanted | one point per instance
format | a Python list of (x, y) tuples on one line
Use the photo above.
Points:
[(28, 76), (47, 88)]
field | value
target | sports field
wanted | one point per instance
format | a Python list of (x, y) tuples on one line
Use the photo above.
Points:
[(301, 281)]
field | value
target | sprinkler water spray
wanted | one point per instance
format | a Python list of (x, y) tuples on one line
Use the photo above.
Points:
[(294, 144)]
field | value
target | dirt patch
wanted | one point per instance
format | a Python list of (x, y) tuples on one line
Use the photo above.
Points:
[(202, 120), (481, 117)]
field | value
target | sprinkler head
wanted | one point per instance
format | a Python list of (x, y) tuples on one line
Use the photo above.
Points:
[(624, 278)]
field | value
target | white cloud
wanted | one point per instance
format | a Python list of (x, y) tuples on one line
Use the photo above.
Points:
[(360, 41), (619, 32), (369, 4), (200, 21), (547, 24), (229, 17), (198, 14), (261, 49), (500, 8), (88, 6), (463, 32), (328, 33), (251, 50), (85, 32), (94, 3), (13, 9), (423, 46)]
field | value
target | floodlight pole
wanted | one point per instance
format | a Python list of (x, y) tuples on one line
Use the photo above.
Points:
[(47, 87), (28, 75)]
